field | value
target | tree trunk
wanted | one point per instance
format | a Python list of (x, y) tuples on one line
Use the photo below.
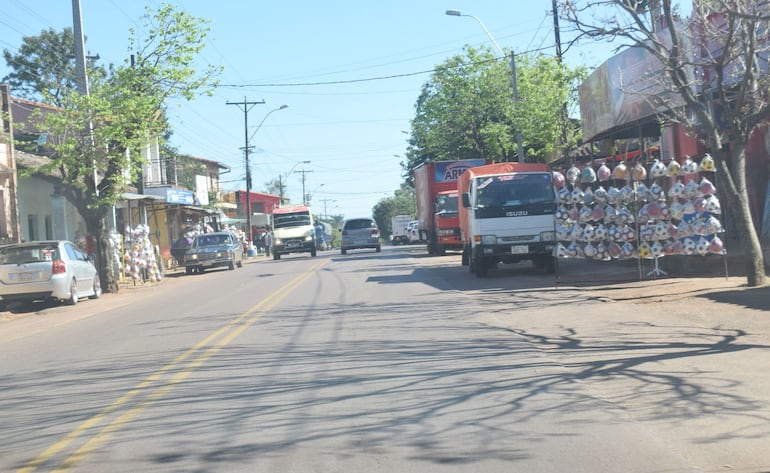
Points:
[(95, 224), (738, 202)]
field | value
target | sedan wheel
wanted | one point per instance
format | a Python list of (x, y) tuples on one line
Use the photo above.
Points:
[(73, 299), (97, 287)]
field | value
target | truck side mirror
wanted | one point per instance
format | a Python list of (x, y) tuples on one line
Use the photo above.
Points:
[(466, 200)]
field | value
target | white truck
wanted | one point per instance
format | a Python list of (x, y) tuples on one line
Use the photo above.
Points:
[(398, 223), (507, 215), (293, 231)]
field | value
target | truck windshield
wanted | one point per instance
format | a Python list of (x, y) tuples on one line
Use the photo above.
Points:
[(496, 195), (293, 219), (446, 204)]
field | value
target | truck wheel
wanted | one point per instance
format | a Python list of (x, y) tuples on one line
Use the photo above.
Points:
[(313, 252), (440, 250), (276, 256), (465, 258), (550, 264), (344, 251), (188, 270), (479, 267)]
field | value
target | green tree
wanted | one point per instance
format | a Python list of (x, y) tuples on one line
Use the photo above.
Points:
[(718, 93), (547, 93), (98, 139), (401, 203), (44, 67), (466, 110)]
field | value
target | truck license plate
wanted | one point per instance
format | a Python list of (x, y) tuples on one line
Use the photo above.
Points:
[(519, 249)]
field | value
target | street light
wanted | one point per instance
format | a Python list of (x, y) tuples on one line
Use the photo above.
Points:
[(248, 173), (519, 145), (280, 176)]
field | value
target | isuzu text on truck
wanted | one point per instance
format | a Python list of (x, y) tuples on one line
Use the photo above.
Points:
[(507, 215), (435, 187)]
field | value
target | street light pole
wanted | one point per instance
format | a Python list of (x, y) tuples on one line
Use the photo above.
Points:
[(519, 143), (246, 106)]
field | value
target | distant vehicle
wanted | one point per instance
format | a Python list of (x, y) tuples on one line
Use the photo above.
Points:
[(413, 232), (435, 188), (398, 225), (212, 250), (360, 233), (293, 231), (47, 270)]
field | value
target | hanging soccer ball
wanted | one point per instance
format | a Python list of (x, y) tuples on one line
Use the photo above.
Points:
[(647, 232), (588, 197), (620, 171), (676, 191), (712, 205), (706, 187), (644, 250), (658, 169), (601, 232), (603, 173), (628, 250), (656, 249), (588, 175), (600, 195), (716, 246), (707, 163), (639, 173), (573, 174), (689, 166), (574, 250), (702, 246), (674, 168), (558, 180)]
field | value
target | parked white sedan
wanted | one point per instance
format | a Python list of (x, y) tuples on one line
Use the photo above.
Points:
[(45, 270)]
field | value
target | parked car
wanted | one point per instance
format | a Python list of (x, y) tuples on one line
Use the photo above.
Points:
[(212, 250), (359, 233), (47, 270)]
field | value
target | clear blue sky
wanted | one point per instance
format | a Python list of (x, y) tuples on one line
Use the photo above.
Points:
[(353, 133)]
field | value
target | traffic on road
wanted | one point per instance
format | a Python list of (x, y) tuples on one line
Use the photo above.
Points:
[(390, 361)]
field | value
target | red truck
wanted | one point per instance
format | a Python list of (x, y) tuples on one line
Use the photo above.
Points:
[(435, 186)]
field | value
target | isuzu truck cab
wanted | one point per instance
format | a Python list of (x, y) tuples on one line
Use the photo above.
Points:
[(507, 215)]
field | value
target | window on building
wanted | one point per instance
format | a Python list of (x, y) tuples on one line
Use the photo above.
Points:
[(32, 227)]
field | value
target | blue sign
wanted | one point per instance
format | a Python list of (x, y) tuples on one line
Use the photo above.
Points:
[(180, 196), (450, 171)]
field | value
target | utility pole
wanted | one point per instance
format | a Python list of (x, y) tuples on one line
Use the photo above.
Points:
[(246, 106), (326, 201), (557, 42), (304, 197), (556, 30)]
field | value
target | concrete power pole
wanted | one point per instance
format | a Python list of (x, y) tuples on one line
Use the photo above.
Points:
[(304, 196), (246, 106)]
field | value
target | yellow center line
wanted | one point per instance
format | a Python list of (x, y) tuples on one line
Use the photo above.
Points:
[(234, 327)]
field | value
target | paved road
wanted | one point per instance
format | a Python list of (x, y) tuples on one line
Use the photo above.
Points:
[(392, 362)]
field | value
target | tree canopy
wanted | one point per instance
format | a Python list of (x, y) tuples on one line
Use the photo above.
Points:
[(98, 141), (466, 110)]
